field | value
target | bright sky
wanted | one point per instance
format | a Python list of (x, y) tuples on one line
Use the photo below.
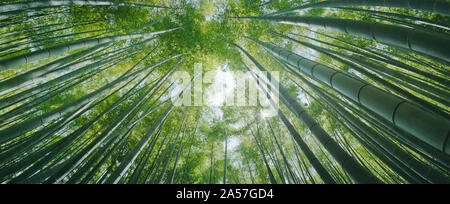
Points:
[(224, 86)]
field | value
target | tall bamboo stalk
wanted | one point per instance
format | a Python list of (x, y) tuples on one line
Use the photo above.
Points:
[(434, 6), (30, 124), (426, 126), (79, 44), (425, 43), (358, 173), (16, 8)]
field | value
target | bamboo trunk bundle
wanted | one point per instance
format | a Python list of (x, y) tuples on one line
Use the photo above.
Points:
[(349, 164), (19, 129), (433, 6), (79, 44), (428, 127), (17, 8), (434, 45)]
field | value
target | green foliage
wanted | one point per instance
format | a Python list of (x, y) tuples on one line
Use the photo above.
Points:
[(207, 27)]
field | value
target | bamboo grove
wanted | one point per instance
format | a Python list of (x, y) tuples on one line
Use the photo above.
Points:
[(86, 95)]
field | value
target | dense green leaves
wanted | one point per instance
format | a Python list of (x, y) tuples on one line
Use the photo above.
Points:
[(85, 92)]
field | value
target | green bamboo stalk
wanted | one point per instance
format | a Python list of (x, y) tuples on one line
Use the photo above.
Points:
[(131, 157), (433, 6), (15, 8), (152, 174), (134, 178), (117, 135), (357, 172), (390, 129), (26, 19), (28, 39), (304, 167), (17, 130), (25, 108), (389, 17), (180, 151), (288, 166), (323, 173), (104, 137), (428, 44), (269, 171), (272, 156), (364, 116), (13, 19), (225, 159), (425, 171), (43, 42), (130, 125), (60, 49), (189, 153), (111, 132), (390, 74), (387, 58), (169, 157), (32, 29), (48, 92), (252, 178), (6, 102), (156, 159), (428, 127), (94, 170), (54, 148)]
